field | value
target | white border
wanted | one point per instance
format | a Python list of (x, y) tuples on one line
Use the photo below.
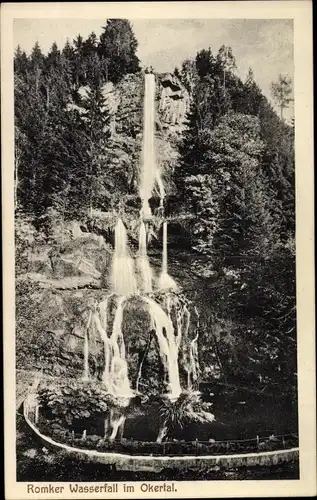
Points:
[(301, 12)]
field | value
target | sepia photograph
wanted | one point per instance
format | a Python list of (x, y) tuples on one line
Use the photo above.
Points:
[(155, 253)]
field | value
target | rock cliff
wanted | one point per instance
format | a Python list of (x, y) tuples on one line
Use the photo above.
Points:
[(66, 265)]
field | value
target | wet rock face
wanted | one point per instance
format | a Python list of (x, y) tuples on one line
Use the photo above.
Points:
[(174, 102), (125, 102)]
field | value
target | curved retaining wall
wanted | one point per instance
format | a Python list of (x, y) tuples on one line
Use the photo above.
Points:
[(158, 463)]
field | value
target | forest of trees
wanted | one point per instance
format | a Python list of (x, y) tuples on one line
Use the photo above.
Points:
[(235, 175), (58, 155)]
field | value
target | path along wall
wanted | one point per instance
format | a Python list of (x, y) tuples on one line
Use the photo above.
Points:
[(157, 464)]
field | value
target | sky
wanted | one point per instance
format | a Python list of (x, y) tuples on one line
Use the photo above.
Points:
[(265, 45)]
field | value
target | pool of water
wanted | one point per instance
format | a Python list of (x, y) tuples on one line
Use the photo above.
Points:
[(238, 415)]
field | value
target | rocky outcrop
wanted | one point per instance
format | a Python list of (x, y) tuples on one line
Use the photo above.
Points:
[(174, 101), (73, 259), (124, 103)]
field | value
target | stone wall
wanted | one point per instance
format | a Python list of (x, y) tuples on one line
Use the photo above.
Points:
[(184, 463)]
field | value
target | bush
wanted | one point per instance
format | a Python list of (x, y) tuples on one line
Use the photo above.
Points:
[(68, 402)]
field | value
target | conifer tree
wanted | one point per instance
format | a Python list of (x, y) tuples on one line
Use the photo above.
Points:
[(21, 62), (68, 54), (118, 46), (79, 73), (37, 62), (281, 92)]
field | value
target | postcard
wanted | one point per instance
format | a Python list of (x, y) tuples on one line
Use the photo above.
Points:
[(158, 250)]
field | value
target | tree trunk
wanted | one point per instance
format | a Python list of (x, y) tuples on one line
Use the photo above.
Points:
[(121, 430), (162, 432), (47, 97), (106, 427)]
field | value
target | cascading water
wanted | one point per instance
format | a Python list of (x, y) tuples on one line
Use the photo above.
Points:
[(148, 169), (115, 375), (193, 362), (108, 351), (143, 262), (122, 272), (102, 326), (119, 368), (173, 312), (116, 336), (163, 327), (86, 348), (161, 190), (166, 282)]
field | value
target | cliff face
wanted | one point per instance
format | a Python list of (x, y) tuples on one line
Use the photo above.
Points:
[(125, 103), (174, 102), (65, 271), (66, 265)]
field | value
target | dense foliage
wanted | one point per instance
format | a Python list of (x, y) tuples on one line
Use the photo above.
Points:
[(71, 401), (68, 402), (62, 140), (236, 177), (188, 408)]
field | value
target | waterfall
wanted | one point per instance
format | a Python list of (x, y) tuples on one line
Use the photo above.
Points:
[(166, 282), (102, 326), (122, 273), (86, 348), (182, 329), (193, 355), (148, 170), (143, 262), (117, 337), (193, 362), (161, 189), (119, 380), (115, 375), (163, 327)]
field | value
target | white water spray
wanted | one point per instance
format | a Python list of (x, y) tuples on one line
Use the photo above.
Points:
[(143, 262), (148, 170), (166, 282), (160, 185), (193, 362), (102, 326), (115, 375), (163, 327), (120, 385), (86, 348), (122, 272)]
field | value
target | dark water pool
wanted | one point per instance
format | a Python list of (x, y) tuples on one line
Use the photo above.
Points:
[(238, 415)]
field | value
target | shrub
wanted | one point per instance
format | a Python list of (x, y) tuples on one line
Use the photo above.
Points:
[(68, 402)]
